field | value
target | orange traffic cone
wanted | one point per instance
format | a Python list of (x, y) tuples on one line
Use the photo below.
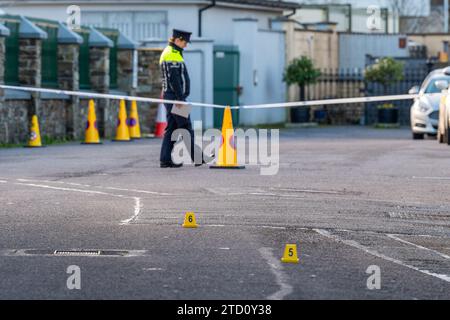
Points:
[(34, 140), (122, 133), (227, 158), (91, 135), (133, 122), (161, 120)]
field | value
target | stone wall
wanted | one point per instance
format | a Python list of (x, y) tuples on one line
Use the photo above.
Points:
[(125, 70), (99, 77), (30, 62), (53, 117), (149, 85), (68, 79), (2, 63), (14, 124), (65, 118)]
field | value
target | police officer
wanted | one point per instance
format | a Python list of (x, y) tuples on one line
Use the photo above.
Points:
[(176, 86)]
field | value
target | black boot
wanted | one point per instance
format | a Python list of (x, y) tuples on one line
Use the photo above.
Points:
[(170, 165)]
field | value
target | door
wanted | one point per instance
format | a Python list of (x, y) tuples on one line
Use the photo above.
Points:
[(226, 82)]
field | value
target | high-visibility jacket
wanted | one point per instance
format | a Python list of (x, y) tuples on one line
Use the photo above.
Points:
[(175, 77)]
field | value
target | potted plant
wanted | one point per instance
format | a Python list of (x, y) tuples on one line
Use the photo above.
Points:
[(386, 72), (301, 72)]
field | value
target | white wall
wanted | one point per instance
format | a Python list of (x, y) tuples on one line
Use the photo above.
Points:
[(262, 56), (218, 22)]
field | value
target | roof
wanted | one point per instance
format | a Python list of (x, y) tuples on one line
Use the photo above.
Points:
[(275, 4), (265, 3)]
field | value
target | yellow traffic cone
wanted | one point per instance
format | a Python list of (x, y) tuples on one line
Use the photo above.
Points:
[(91, 132), (122, 133), (189, 221), (34, 140), (227, 158), (133, 122), (290, 254)]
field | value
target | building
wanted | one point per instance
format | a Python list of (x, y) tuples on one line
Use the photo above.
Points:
[(248, 57), (355, 15)]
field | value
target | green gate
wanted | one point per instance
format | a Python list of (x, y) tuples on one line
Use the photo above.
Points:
[(226, 82)]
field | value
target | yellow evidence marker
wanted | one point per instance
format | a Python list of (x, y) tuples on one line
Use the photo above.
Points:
[(189, 220), (290, 254)]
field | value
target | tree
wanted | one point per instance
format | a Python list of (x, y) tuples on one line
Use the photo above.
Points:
[(301, 72), (385, 71)]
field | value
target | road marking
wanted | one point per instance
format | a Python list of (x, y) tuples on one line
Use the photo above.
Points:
[(137, 212), (277, 269), (418, 246), (431, 178), (153, 269), (2, 181), (137, 201), (138, 191), (99, 187), (67, 189), (270, 227), (379, 255)]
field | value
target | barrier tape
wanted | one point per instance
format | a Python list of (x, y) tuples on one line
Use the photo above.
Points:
[(206, 105), (110, 96)]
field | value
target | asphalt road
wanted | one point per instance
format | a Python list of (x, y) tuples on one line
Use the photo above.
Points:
[(349, 197)]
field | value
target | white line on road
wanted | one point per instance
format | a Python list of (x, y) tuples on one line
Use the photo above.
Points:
[(137, 212), (431, 178), (153, 269), (138, 191), (277, 269), (2, 181), (137, 206), (355, 244), (99, 187), (418, 246)]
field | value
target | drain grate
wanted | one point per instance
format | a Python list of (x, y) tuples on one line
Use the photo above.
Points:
[(77, 252), (80, 253)]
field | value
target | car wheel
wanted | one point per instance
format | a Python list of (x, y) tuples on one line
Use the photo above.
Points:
[(418, 136)]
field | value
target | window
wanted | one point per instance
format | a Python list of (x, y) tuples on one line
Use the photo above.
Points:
[(83, 60), (12, 50), (49, 60)]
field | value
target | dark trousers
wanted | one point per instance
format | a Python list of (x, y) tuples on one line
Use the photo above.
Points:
[(175, 122)]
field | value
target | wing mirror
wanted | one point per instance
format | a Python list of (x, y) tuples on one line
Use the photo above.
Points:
[(414, 90), (441, 84)]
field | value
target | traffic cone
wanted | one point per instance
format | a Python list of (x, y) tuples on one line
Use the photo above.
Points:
[(161, 121), (34, 140), (290, 254), (133, 122), (189, 221), (227, 158), (91, 135), (122, 133)]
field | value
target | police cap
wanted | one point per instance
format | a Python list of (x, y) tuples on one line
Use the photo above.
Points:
[(183, 35)]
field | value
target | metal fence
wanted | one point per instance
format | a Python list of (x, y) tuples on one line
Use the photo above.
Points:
[(349, 83)]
